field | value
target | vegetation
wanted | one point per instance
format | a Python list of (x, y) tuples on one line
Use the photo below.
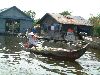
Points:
[(95, 21), (96, 31), (35, 22), (30, 13), (64, 13)]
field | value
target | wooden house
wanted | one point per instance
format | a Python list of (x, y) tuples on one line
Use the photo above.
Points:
[(57, 25), (14, 20)]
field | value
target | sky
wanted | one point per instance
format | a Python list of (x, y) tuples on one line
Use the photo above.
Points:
[(84, 8)]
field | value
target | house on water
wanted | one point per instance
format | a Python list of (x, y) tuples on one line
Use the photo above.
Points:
[(14, 20), (57, 26)]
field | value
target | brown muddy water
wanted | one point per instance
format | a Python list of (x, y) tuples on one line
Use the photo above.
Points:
[(16, 60)]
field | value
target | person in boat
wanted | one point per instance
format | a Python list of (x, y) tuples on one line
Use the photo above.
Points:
[(32, 40)]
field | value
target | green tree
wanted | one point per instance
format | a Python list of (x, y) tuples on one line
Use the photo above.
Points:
[(95, 21), (30, 13), (96, 31), (64, 13), (35, 22)]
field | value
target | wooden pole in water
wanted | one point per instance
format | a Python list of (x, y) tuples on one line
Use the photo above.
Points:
[(13, 27)]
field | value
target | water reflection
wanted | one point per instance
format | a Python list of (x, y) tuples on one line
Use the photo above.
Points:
[(15, 60), (90, 63), (96, 54), (61, 67)]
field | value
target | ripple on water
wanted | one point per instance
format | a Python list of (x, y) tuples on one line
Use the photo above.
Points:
[(15, 60)]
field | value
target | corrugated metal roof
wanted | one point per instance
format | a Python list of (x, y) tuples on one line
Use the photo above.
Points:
[(77, 20), (1, 10), (14, 16)]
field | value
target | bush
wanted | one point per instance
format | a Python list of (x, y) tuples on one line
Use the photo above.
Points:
[(96, 31)]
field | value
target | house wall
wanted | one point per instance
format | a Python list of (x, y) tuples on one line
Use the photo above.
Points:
[(15, 14), (25, 24), (87, 29), (48, 21), (78, 28), (65, 27), (2, 25)]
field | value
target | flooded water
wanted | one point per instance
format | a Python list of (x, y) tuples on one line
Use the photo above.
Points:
[(16, 60)]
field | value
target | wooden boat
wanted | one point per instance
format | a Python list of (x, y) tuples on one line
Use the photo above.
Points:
[(62, 54)]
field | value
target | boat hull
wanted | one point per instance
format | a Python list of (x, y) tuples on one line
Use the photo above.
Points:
[(62, 55)]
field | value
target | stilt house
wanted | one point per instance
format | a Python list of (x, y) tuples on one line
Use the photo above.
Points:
[(14, 20), (57, 25)]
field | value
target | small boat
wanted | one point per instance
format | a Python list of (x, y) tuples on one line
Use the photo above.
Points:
[(61, 54)]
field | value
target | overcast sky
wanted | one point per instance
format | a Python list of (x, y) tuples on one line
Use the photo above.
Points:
[(78, 7)]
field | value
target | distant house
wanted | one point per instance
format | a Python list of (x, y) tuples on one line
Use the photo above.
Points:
[(14, 20), (63, 24)]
